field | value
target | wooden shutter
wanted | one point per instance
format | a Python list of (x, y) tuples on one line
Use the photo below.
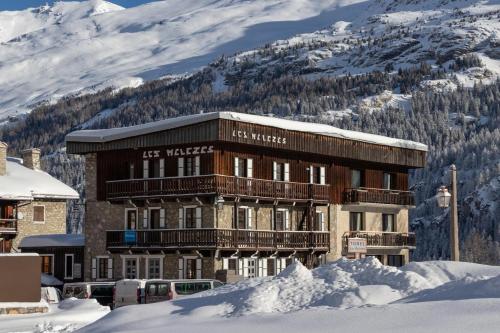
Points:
[(287, 220), (273, 227), (162, 218), (145, 219), (145, 169), (162, 167), (94, 268), (275, 170), (287, 172), (264, 267), (245, 267), (197, 165), (180, 167), (181, 218), (250, 168), (240, 267), (322, 176), (180, 262), (237, 167), (225, 263), (249, 218), (311, 174), (110, 268), (322, 217), (198, 217), (198, 268)]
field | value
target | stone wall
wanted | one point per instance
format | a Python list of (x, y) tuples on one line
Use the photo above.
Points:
[(55, 219)]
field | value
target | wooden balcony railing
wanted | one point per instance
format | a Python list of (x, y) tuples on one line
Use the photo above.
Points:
[(215, 184), (218, 238), (376, 239), (381, 196), (8, 226)]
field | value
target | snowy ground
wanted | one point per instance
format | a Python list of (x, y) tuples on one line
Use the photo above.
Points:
[(344, 295), (66, 316)]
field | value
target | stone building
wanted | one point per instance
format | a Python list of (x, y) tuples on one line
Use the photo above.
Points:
[(245, 194), (31, 201)]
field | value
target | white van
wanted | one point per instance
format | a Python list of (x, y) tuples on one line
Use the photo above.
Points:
[(129, 292)]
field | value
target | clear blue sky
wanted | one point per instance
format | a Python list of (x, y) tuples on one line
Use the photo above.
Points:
[(22, 4)]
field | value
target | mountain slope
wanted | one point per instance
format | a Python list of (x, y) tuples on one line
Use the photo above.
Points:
[(73, 47)]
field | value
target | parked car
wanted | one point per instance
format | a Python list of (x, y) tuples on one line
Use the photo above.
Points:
[(51, 295), (128, 292), (102, 292)]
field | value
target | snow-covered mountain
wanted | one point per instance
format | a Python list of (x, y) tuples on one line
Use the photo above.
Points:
[(73, 47)]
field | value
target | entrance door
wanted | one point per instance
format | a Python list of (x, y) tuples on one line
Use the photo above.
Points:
[(190, 268)]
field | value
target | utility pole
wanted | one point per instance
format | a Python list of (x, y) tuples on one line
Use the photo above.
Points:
[(455, 254)]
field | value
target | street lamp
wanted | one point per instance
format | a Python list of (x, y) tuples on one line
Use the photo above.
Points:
[(444, 198)]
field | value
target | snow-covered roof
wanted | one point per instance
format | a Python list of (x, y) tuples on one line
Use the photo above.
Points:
[(53, 240), (22, 183), (106, 135)]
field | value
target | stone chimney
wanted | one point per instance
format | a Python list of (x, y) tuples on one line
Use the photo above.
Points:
[(31, 158), (3, 158)]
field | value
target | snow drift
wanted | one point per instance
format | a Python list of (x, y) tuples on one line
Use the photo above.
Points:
[(299, 295)]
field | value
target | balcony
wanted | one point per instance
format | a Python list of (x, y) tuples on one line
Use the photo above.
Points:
[(215, 185), (378, 239), (230, 239), (8, 226), (378, 196)]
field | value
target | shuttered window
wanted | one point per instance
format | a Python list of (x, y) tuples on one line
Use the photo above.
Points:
[(39, 214)]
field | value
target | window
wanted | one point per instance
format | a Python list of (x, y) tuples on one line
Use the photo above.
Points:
[(388, 223), (190, 269), (320, 221), (281, 221), (190, 218), (131, 268), (317, 175), (356, 221), (154, 218), (154, 268), (188, 166), (281, 171), (47, 264), (68, 266), (356, 179), (153, 168), (244, 218), (39, 214), (189, 288), (395, 260), (102, 268), (243, 167), (131, 219), (389, 181)]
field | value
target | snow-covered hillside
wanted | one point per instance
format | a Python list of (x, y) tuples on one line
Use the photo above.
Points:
[(75, 47)]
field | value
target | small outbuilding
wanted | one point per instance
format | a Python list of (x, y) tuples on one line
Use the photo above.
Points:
[(61, 256)]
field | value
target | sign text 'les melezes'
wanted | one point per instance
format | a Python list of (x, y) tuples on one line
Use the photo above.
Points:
[(188, 151), (258, 137)]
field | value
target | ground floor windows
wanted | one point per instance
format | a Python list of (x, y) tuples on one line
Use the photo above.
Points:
[(395, 260), (102, 268), (255, 267), (190, 268), (47, 264), (131, 268), (154, 268)]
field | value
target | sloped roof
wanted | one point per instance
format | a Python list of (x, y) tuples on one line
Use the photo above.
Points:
[(106, 135), (53, 240), (22, 183)]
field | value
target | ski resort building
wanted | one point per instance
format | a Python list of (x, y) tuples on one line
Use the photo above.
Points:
[(244, 194), (32, 202)]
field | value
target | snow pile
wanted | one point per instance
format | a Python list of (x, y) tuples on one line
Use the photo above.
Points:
[(66, 316)]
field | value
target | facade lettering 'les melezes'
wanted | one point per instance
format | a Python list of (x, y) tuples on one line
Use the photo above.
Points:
[(237, 208)]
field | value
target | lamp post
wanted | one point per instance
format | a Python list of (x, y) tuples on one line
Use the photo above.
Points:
[(444, 198)]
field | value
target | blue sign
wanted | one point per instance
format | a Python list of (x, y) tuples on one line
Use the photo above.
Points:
[(130, 236)]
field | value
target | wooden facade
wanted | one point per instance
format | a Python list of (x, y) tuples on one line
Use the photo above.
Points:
[(302, 173)]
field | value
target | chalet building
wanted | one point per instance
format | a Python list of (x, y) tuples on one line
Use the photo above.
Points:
[(189, 196), (31, 201)]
